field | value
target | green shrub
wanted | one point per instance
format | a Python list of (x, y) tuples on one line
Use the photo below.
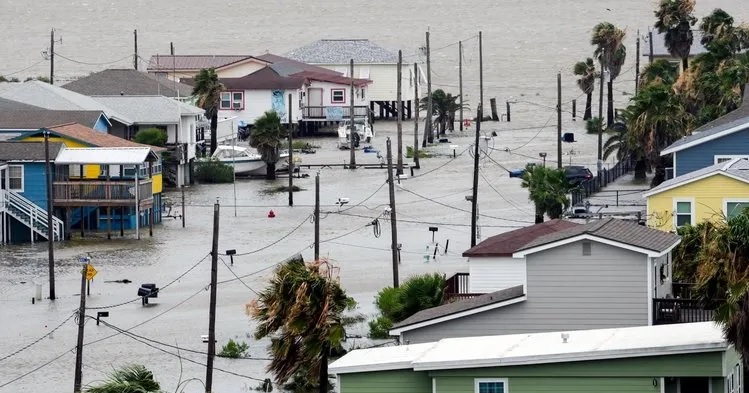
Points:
[(396, 304), (214, 171), (302, 145), (234, 349), (380, 327), (422, 153), (151, 136)]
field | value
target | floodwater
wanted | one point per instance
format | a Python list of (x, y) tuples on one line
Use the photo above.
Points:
[(525, 45)]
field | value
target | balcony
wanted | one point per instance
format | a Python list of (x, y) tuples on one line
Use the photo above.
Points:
[(102, 193), (332, 113), (457, 288), (669, 311)]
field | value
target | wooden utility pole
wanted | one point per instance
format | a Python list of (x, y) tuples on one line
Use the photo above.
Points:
[(52, 57), (182, 189), (352, 146), (135, 51), (399, 170), (600, 110), (417, 104), (650, 43), (171, 48), (317, 216), (637, 64), (428, 135), (81, 323), (212, 310), (50, 218), (460, 80), (291, 157), (559, 120), (481, 72), (475, 195), (393, 223)]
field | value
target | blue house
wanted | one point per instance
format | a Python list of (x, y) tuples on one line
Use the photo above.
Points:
[(720, 140)]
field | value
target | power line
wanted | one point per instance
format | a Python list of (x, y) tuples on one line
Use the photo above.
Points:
[(274, 242), (25, 69), (481, 172), (24, 375), (436, 223), (238, 278), (93, 64), (38, 340)]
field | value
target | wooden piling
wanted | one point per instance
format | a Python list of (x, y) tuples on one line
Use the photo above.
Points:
[(508, 110), (574, 109), (493, 104)]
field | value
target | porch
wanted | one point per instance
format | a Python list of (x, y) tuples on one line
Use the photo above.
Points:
[(457, 288), (103, 193), (333, 113), (669, 311)]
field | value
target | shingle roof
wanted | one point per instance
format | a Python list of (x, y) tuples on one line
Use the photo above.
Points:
[(10, 105), (27, 151), (168, 63), (619, 231), (659, 45), (38, 118), (149, 109), (505, 244), (127, 82), (342, 51), (264, 79), (91, 137), (736, 167), (461, 306), (285, 66), (337, 79)]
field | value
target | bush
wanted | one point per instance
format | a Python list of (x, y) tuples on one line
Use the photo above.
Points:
[(422, 153), (234, 349), (151, 136), (380, 327), (214, 171), (302, 145), (396, 304)]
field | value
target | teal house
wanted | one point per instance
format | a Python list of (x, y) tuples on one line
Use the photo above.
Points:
[(680, 358)]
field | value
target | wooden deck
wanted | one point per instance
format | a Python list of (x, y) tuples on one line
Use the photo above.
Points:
[(102, 193), (332, 113)]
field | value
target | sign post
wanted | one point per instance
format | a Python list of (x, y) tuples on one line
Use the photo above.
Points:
[(90, 274)]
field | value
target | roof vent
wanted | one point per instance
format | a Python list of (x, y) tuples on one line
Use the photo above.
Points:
[(565, 337)]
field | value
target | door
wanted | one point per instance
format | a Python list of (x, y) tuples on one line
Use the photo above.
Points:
[(3, 175), (315, 109)]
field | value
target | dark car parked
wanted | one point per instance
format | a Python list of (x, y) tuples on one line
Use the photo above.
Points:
[(577, 175)]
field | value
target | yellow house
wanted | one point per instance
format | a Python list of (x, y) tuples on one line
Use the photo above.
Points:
[(713, 193)]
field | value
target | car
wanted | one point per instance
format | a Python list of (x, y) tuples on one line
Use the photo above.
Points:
[(577, 175)]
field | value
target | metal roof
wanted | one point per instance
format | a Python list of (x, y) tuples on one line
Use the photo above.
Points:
[(166, 63), (342, 51), (737, 168), (104, 156), (150, 109), (127, 82), (285, 66)]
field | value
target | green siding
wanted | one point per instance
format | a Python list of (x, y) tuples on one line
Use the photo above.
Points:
[(396, 381), (555, 385), (717, 384)]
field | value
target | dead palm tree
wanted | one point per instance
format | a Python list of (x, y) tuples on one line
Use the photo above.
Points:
[(675, 20), (586, 70), (610, 50), (129, 379), (208, 90), (267, 136)]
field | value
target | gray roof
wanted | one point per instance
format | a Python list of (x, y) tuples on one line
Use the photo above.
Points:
[(127, 82), (342, 51), (462, 305), (736, 167), (620, 231), (149, 109), (38, 118), (27, 151), (167, 63), (659, 45), (285, 66), (10, 105)]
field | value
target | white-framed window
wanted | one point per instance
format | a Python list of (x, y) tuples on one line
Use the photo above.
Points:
[(718, 159), (232, 100), (683, 212), (338, 96), (15, 178), (734, 206), (734, 381), (490, 385)]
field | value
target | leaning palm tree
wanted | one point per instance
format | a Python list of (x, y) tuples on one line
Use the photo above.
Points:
[(129, 379), (301, 311), (547, 189), (208, 90), (660, 71), (675, 20), (267, 136), (586, 70), (444, 106), (610, 50), (719, 35)]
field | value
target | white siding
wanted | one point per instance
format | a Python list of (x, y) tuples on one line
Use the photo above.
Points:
[(239, 70), (496, 273), (662, 282), (327, 95), (256, 102), (384, 79)]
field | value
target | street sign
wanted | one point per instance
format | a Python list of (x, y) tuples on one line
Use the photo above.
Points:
[(90, 272)]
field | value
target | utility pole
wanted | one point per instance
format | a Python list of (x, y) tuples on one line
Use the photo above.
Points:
[(600, 111), (291, 157), (428, 129), (50, 226), (135, 52), (475, 195), (393, 223), (52, 56), (399, 170), (460, 80), (171, 48), (182, 189), (317, 216), (352, 146), (481, 72), (637, 64), (212, 312), (417, 104), (650, 43), (559, 120), (81, 323)]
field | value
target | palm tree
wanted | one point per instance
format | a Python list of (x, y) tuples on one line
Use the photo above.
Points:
[(586, 70), (675, 20), (208, 90), (720, 37), (267, 136), (129, 379), (302, 312), (547, 188), (444, 106), (661, 71), (610, 50)]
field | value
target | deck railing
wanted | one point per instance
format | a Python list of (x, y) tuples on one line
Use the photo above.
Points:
[(668, 311), (607, 176), (84, 193), (457, 288), (333, 113)]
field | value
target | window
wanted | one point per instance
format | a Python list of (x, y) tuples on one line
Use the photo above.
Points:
[(338, 96), (725, 158), (491, 386), (15, 178), (732, 208), (586, 248), (683, 213), (232, 100), (733, 380)]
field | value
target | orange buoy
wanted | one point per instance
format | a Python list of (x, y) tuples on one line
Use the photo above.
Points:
[(271, 214)]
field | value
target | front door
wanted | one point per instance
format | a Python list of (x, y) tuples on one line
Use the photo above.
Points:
[(314, 103), (3, 175)]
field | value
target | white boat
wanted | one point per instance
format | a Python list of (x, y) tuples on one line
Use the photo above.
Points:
[(364, 132), (245, 161)]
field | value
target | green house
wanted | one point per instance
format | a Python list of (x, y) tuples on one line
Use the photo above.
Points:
[(681, 358)]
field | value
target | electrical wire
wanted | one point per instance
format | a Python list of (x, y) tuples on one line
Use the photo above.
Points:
[(25, 69), (534, 136), (464, 210), (93, 64), (24, 375), (265, 268), (447, 224), (275, 241), (442, 165), (481, 172), (31, 344), (235, 275)]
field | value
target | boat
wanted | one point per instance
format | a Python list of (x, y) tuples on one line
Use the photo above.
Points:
[(245, 161), (363, 132)]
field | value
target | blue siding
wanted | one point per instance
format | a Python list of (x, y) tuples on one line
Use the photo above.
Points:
[(101, 125), (703, 155), (34, 183)]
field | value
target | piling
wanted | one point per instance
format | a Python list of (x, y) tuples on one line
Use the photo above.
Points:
[(493, 104), (508, 110), (574, 109)]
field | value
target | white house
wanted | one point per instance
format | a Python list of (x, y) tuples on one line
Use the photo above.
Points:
[(185, 67)]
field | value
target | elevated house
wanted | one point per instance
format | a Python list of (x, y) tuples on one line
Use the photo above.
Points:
[(129, 82), (185, 67), (693, 358), (605, 274), (714, 193), (372, 62)]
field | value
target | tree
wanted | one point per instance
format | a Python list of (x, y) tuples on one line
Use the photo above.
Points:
[(547, 189), (675, 20), (660, 71), (720, 37), (618, 144), (586, 70), (129, 379), (610, 50), (151, 136), (396, 304), (266, 137), (444, 106), (208, 90), (301, 311)]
